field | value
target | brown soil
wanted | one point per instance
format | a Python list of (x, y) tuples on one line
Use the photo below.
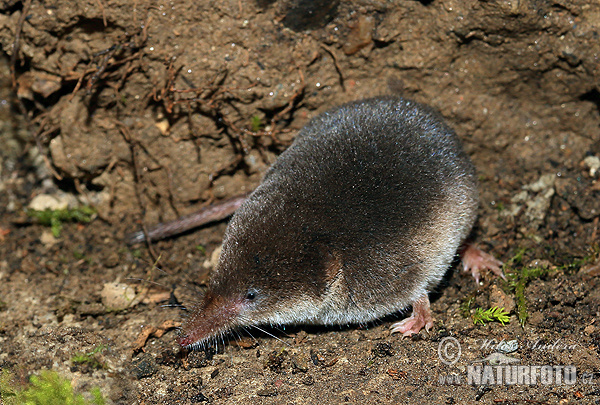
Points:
[(149, 110)]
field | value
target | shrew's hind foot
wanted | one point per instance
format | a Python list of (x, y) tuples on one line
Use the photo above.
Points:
[(419, 319), (475, 260)]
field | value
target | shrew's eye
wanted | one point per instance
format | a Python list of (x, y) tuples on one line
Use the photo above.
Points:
[(250, 295)]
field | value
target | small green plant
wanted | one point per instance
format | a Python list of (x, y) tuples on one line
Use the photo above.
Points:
[(55, 218), (137, 253), (90, 358), (80, 256), (47, 388), (256, 123), (465, 307), (493, 314), (201, 249)]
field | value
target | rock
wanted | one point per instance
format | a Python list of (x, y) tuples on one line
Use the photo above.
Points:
[(143, 366), (267, 392), (498, 298), (535, 198), (593, 164), (301, 15), (361, 35), (581, 194), (214, 259), (118, 296), (52, 202), (545, 182), (48, 239)]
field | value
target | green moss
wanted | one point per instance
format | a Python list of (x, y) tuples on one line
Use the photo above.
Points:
[(47, 388), (517, 259), (517, 281), (518, 278), (519, 275), (55, 218), (493, 314), (576, 264)]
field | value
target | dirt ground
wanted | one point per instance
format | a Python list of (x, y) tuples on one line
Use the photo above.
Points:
[(150, 110)]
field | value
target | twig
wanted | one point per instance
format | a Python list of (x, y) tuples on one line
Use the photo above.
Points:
[(336, 64), (103, 12), (102, 67), (17, 44)]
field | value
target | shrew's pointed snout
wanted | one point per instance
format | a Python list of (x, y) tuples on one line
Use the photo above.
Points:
[(214, 316)]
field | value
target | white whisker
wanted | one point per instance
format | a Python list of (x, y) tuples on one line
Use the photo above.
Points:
[(248, 332), (270, 334)]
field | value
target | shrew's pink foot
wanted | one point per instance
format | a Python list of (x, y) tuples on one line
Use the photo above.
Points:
[(475, 260), (420, 317)]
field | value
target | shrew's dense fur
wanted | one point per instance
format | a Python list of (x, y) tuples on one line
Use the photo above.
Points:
[(359, 218)]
